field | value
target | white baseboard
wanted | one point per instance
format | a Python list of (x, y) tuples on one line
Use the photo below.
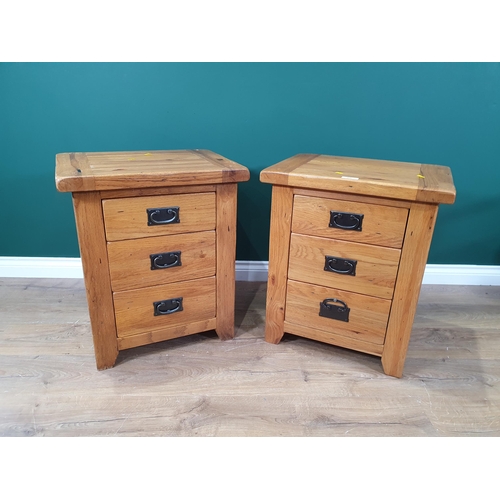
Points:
[(40, 267), (246, 270), (455, 274), (251, 270)]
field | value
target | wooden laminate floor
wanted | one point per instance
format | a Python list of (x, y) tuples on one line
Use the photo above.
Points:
[(200, 386)]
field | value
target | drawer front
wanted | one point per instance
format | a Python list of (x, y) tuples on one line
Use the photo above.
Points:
[(345, 220), (367, 316), (128, 218), (354, 267), (136, 312), (161, 259)]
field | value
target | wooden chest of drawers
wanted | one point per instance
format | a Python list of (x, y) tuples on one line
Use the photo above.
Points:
[(348, 247), (157, 237)]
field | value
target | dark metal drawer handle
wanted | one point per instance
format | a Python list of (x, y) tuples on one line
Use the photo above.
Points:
[(165, 260), (166, 215), (340, 266), (328, 309), (169, 306), (345, 220)]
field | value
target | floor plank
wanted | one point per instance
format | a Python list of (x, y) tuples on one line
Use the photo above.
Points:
[(200, 386)]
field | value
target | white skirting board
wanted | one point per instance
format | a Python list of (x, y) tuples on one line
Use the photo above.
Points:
[(246, 270)]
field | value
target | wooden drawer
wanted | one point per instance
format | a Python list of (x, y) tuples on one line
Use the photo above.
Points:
[(135, 310), (372, 269), (127, 218), (367, 319), (380, 225), (136, 263)]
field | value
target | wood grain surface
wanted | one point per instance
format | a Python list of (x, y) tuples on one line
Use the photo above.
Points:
[(375, 271), (367, 317), (199, 386), (226, 254), (156, 191), (334, 336), (355, 198), (166, 333), (144, 169), (414, 255), (134, 309), (93, 251), (126, 218), (390, 179), (279, 245), (130, 261), (381, 225)]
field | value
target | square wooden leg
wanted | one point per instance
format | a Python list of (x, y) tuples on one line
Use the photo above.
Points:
[(226, 255), (416, 247), (93, 251), (279, 246)]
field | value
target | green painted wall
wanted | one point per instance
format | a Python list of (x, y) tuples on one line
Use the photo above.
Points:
[(257, 115)]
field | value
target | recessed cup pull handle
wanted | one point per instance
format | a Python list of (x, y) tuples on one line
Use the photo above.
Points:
[(165, 215), (346, 221), (168, 306)]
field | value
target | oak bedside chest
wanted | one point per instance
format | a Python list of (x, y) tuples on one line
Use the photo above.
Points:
[(349, 242), (157, 237)]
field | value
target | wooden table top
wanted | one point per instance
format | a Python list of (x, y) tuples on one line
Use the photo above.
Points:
[(388, 179), (141, 169)]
